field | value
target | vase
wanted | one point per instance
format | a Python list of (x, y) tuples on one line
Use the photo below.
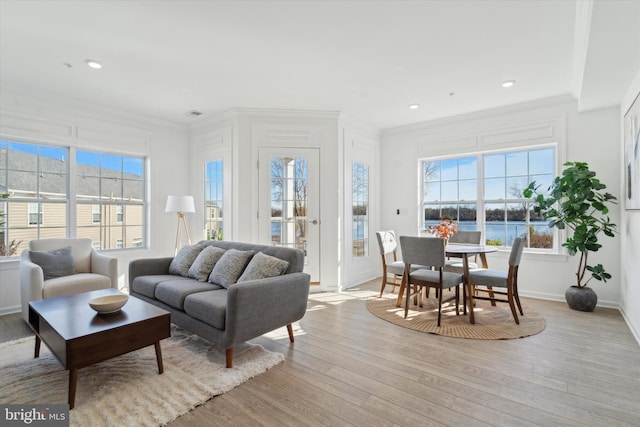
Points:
[(582, 299)]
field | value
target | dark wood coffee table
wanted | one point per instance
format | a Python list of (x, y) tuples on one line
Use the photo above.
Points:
[(80, 337)]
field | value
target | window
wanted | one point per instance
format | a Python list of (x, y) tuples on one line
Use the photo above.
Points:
[(111, 191), (35, 215), (119, 213), (36, 179), (484, 192), (213, 200), (360, 210), (109, 197), (96, 216)]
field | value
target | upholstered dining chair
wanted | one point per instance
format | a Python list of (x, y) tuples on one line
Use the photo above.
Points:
[(454, 265), (60, 267), (428, 251), (485, 280), (388, 246)]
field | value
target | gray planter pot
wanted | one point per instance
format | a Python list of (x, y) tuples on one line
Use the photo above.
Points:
[(582, 299)]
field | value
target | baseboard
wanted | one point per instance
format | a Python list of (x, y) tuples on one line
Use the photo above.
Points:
[(560, 297), (10, 310)]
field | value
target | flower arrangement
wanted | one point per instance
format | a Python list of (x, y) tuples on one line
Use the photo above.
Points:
[(445, 229)]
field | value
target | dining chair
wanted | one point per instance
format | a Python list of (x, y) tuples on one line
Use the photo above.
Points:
[(455, 265), (508, 280), (428, 251), (389, 248)]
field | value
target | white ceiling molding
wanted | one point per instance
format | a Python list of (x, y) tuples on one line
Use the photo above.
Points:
[(584, 10)]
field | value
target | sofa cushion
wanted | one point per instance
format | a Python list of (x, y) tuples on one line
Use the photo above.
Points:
[(55, 263), (184, 259), (209, 307), (230, 266), (173, 292), (146, 285), (204, 262), (262, 266)]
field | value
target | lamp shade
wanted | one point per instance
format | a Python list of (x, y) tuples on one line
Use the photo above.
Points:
[(179, 204)]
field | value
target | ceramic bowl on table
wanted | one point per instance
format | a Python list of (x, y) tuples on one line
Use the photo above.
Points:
[(109, 304)]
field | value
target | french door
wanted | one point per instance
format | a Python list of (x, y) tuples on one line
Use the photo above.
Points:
[(289, 212)]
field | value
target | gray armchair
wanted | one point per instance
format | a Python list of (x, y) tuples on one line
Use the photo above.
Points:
[(90, 271)]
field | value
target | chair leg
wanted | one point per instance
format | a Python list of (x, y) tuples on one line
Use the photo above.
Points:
[(464, 298), (384, 283), (395, 280), (517, 298), (458, 300), (439, 305), (408, 292), (512, 304), (491, 295)]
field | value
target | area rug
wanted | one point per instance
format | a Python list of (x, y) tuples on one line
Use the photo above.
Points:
[(127, 390), (492, 322)]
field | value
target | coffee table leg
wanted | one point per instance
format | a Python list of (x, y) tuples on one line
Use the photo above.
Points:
[(73, 378), (159, 357), (36, 351)]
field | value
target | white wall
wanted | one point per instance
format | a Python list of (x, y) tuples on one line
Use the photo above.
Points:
[(359, 144), (630, 238), (37, 117), (244, 131), (589, 137)]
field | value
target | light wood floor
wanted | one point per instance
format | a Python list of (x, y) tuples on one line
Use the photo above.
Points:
[(348, 367)]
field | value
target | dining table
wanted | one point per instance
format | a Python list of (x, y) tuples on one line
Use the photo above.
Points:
[(463, 251)]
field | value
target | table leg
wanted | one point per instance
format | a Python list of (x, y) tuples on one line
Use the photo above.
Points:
[(483, 258), (469, 288), (36, 351), (73, 378), (159, 357)]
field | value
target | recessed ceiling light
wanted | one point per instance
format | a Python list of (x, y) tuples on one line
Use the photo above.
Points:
[(508, 83), (93, 63), (414, 106)]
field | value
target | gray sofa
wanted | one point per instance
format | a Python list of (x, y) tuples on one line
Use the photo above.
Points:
[(226, 316)]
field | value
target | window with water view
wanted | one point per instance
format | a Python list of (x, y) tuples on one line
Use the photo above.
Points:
[(484, 192)]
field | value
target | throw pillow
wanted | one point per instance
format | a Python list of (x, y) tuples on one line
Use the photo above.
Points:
[(263, 266), (56, 263), (202, 266), (182, 261), (229, 267)]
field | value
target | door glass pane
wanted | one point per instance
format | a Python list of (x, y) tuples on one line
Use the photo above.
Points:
[(289, 184)]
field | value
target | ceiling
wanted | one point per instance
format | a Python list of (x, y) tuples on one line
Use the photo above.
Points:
[(367, 59)]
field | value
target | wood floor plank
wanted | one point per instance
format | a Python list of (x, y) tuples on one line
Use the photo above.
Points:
[(348, 367)]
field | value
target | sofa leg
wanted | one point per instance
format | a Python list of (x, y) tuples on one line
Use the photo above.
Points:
[(230, 357), (290, 330)]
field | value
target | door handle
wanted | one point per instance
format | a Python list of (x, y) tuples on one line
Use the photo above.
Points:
[(315, 222)]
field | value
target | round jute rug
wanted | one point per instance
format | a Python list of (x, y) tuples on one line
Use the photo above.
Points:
[(492, 322)]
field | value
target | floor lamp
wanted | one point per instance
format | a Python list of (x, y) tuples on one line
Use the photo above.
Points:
[(180, 205)]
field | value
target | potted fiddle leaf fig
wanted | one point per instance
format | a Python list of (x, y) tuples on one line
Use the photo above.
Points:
[(577, 202)]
